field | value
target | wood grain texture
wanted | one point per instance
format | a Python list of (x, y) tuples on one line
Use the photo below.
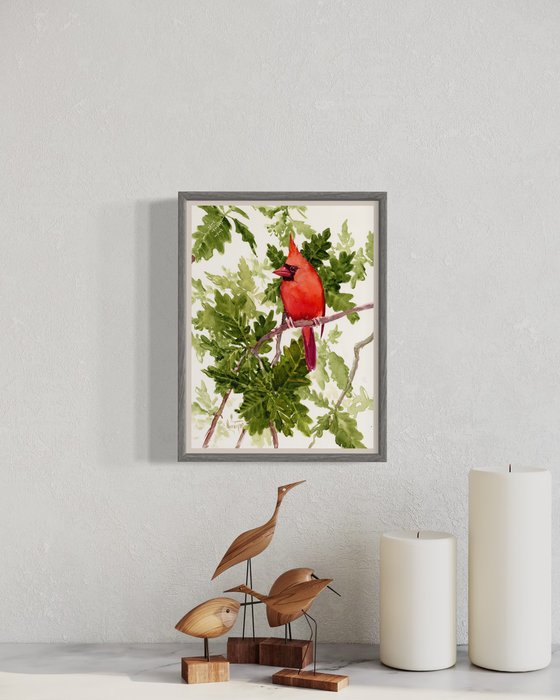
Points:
[(251, 543), (298, 597), (293, 653), (283, 582), (381, 305), (211, 619), (308, 679), (244, 650), (197, 669)]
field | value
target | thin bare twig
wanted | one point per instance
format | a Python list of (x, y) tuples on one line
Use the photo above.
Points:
[(357, 349), (216, 417), (278, 350), (240, 439), (274, 434), (353, 369)]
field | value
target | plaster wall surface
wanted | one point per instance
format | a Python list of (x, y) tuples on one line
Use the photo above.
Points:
[(108, 109)]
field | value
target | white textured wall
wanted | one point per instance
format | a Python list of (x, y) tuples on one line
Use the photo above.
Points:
[(109, 108)]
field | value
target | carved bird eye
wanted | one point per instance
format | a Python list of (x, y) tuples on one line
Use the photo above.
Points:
[(227, 610)]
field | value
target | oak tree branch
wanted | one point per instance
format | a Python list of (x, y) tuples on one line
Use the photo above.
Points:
[(319, 321)]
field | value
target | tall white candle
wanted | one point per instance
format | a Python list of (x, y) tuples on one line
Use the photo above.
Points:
[(510, 569), (418, 600)]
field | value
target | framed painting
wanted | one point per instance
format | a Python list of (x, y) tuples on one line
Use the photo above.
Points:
[(282, 324)]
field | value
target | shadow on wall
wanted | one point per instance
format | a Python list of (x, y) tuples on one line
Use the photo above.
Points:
[(156, 331)]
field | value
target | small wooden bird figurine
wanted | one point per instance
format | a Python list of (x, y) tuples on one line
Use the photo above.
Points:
[(253, 542), (294, 599), (303, 297), (283, 582), (211, 619)]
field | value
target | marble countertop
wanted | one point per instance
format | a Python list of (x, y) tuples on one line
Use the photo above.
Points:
[(146, 671)]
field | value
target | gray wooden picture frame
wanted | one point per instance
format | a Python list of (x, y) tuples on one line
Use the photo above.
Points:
[(381, 302)]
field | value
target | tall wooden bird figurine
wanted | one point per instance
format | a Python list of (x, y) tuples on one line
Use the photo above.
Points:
[(294, 599), (303, 297), (211, 619), (253, 542)]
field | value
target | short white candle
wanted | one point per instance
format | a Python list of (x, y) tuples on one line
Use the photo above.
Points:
[(418, 604), (510, 569)]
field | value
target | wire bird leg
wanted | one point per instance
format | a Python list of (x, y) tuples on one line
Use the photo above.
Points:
[(250, 562), (244, 604), (313, 639), (290, 630), (206, 650), (245, 597)]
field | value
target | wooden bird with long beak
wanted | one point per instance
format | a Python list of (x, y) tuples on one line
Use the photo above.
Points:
[(291, 600), (303, 297), (251, 543), (248, 545), (285, 581)]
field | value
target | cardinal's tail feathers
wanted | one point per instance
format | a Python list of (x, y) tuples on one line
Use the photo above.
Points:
[(309, 347)]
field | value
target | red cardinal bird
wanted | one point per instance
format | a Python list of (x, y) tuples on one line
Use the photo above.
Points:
[(303, 297)]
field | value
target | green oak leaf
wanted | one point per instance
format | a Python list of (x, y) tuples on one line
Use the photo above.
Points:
[(275, 256), (212, 234), (368, 249), (245, 277), (345, 430), (204, 403), (338, 369), (303, 227), (334, 335), (318, 399), (316, 249), (198, 346), (246, 235), (345, 240), (290, 373), (360, 402), (239, 211)]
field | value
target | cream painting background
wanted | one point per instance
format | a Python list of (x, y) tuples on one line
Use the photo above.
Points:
[(361, 218)]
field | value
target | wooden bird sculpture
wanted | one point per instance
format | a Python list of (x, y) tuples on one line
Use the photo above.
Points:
[(295, 598), (253, 542), (208, 620), (283, 582), (303, 297)]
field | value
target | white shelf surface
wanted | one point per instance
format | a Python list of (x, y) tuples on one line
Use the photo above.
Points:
[(152, 671)]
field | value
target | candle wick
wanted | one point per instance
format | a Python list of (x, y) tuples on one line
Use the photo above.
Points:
[(510, 468), (418, 535)]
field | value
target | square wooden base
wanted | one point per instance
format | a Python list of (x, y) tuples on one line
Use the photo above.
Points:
[(243, 650), (308, 679), (196, 669), (294, 653)]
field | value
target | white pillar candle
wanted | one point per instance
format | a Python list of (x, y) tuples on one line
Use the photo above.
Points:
[(418, 607), (510, 569)]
